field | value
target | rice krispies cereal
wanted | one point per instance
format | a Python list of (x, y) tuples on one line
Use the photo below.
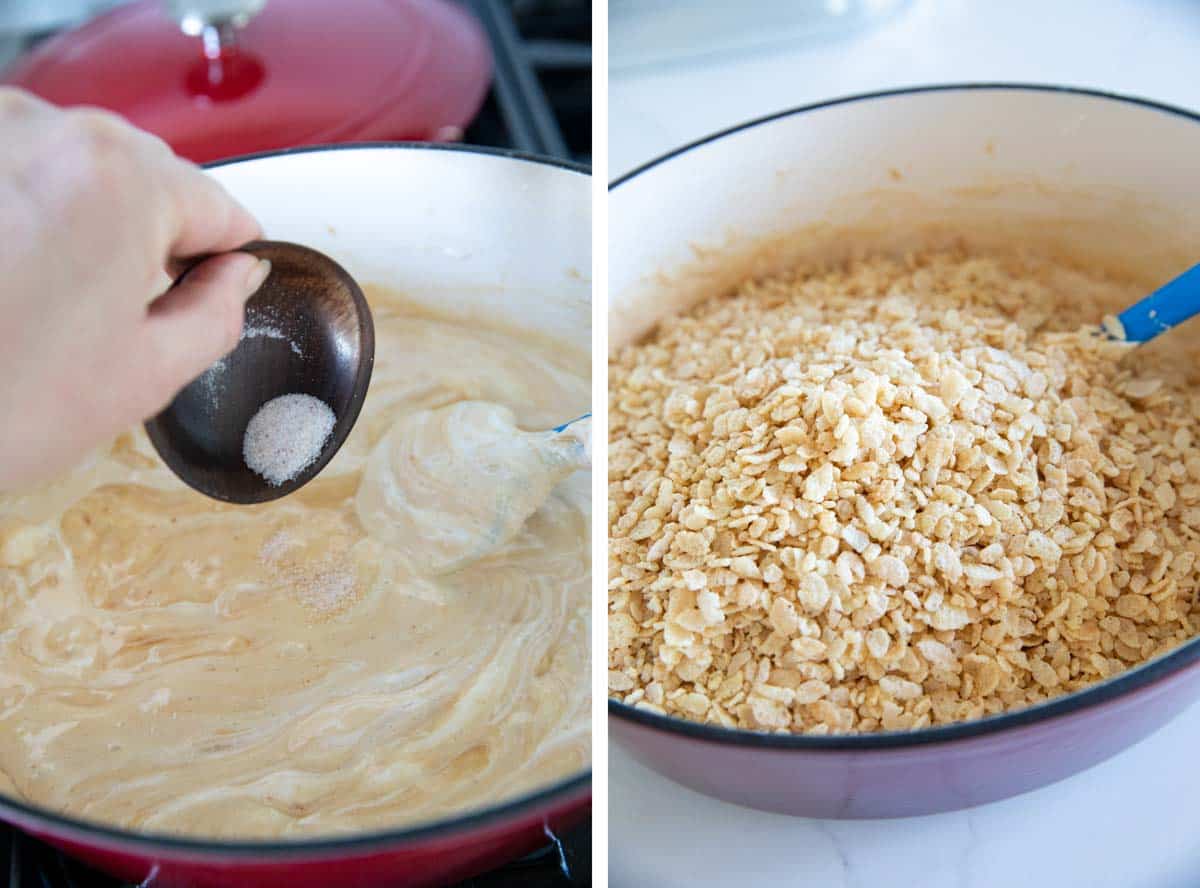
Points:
[(896, 493)]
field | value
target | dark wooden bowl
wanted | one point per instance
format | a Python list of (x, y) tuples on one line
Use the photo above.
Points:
[(321, 342)]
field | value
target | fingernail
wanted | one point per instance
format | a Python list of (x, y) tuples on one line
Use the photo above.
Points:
[(257, 276)]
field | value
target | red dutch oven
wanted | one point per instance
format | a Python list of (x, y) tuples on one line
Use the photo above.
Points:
[(1108, 180), (474, 232)]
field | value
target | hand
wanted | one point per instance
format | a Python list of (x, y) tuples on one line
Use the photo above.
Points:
[(93, 215)]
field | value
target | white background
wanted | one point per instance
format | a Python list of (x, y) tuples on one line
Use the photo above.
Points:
[(1133, 821), (1143, 47)]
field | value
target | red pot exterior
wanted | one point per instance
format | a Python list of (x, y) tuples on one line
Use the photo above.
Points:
[(912, 779), (399, 863)]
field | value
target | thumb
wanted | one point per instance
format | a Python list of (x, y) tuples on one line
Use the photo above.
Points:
[(199, 320)]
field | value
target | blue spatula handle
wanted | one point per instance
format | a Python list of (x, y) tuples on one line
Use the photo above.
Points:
[(571, 422), (1169, 305)]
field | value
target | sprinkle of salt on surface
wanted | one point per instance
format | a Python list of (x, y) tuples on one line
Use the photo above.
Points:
[(269, 331), (326, 586), (213, 379), (276, 546)]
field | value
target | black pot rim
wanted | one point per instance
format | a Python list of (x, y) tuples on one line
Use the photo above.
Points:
[(966, 86), (1119, 686), (166, 845)]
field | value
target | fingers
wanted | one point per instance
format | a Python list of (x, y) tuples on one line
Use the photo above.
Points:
[(196, 215), (201, 216), (206, 218), (32, 130), (18, 104), (197, 322)]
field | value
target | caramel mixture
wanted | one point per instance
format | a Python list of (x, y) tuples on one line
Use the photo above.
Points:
[(174, 664)]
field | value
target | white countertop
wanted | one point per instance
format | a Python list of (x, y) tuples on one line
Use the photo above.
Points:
[(1129, 823)]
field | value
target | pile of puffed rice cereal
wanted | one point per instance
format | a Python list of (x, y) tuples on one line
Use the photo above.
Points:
[(893, 494)]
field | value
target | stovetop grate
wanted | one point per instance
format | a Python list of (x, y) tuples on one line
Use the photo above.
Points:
[(33, 864), (566, 863), (541, 96)]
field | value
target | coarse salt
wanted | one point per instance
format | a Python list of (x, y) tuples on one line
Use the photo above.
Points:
[(286, 436)]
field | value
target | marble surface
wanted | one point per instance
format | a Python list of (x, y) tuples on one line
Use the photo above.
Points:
[(1128, 823)]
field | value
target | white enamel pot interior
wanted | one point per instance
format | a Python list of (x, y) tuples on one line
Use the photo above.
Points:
[(474, 233), (1107, 179)]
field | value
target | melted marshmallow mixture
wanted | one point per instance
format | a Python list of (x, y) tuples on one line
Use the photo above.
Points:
[(453, 484), (172, 663)]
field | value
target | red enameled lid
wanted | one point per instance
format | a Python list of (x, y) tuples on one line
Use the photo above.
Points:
[(301, 72)]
